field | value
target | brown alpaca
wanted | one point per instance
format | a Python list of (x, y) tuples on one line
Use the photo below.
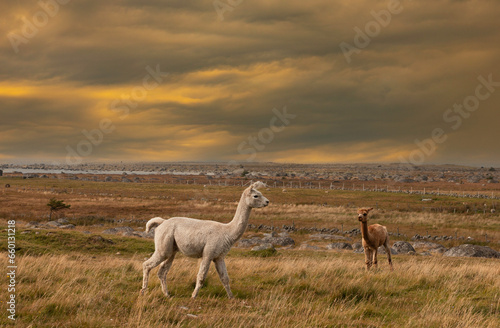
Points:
[(374, 236)]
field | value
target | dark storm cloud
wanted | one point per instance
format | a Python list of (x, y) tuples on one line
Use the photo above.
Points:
[(225, 77)]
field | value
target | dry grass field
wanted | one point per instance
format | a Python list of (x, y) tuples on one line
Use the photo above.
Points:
[(107, 202), (65, 279), (291, 289)]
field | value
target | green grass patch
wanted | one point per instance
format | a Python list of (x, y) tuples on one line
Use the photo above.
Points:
[(63, 242)]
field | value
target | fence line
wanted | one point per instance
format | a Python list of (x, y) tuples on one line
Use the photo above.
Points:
[(312, 185)]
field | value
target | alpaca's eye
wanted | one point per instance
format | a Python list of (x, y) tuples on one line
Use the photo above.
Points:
[(255, 196), (364, 214)]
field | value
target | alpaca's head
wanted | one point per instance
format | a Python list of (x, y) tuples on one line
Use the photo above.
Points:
[(253, 197), (363, 213)]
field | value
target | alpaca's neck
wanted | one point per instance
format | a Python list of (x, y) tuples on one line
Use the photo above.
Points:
[(364, 231), (239, 223)]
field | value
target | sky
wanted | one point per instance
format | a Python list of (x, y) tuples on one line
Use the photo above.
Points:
[(318, 81)]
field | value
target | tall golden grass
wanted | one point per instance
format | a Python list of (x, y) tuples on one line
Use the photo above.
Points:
[(65, 282), (292, 289)]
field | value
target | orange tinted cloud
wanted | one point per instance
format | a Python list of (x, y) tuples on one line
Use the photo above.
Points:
[(225, 77)]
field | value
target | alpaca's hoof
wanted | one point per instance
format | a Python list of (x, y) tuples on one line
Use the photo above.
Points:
[(166, 293), (141, 292)]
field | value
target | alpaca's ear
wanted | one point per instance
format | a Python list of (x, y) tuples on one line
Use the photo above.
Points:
[(371, 208), (257, 185)]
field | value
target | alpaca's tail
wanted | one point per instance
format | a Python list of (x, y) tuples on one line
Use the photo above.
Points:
[(153, 223)]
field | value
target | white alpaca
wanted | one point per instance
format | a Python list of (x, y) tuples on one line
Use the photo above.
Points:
[(209, 240)]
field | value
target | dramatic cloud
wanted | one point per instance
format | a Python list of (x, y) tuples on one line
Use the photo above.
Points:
[(365, 81)]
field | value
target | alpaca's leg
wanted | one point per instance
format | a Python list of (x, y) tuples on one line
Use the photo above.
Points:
[(162, 273), (368, 258), (388, 251), (147, 266), (375, 264), (220, 265), (202, 273)]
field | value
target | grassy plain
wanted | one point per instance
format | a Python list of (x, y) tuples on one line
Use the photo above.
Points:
[(94, 287), (68, 279), (108, 202)]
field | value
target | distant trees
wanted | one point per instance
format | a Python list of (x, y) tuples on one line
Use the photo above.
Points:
[(56, 205)]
